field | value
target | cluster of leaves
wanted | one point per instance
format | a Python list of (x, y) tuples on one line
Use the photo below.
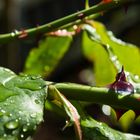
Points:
[(24, 97)]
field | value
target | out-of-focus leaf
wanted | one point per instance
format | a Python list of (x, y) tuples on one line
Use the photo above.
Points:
[(93, 130), (86, 4), (103, 69), (96, 51), (127, 119), (44, 59), (21, 104)]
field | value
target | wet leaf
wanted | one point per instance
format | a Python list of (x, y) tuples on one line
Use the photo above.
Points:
[(124, 51), (103, 69), (44, 59), (95, 48), (93, 130), (21, 104)]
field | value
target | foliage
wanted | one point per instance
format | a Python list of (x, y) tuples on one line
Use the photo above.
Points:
[(44, 59), (21, 104), (23, 98)]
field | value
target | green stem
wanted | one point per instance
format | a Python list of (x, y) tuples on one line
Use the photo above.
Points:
[(99, 95), (5, 38)]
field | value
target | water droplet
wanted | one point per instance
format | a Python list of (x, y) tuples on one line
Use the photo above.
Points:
[(19, 118), (22, 136), (34, 128), (12, 34), (11, 101), (37, 101), (28, 124), (136, 77), (16, 32), (106, 110), (15, 132), (20, 112), (34, 77), (25, 128), (12, 124), (33, 115), (5, 104), (10, 115), (4, 135), (114, 58), (3, 111)]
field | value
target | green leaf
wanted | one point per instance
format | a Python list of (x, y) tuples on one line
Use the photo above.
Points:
[(103, 69), (93, 130), (128, 54), (97, 51), (127, 119), (21, 104), (44, 59)]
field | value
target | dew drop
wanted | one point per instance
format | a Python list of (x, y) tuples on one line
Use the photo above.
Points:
[(34, 77), (37, 101), (25, 128), (28, 124), (4, 135), (19, 118), (3, 111), (12, 124), (15, 132), (114, 58), (20, 112), (6, 104), (12, 34), (10, 115), (22, 136), (33, 115), (11, 101)]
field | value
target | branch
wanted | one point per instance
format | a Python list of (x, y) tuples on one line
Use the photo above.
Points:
[(98, 95), (5, 38)]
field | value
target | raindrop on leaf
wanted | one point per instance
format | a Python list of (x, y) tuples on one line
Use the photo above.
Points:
[(22, 136), (33, 115), (12, 124), (37, 101), (25, 128)]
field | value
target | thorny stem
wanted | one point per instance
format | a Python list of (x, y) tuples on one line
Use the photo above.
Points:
[(5, 38), (98, 95)]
